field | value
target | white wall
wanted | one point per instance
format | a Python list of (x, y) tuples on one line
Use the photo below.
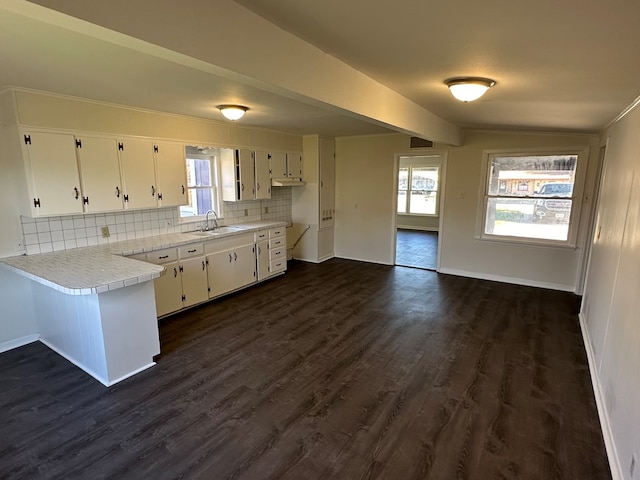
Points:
[(611, 303), (365, 196), (365, 182), (17, 318)]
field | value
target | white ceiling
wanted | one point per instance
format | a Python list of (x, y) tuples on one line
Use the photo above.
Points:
[(568, 66)]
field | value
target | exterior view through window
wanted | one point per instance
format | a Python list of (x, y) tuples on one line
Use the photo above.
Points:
[(418, 189), (530, 196), (201, 181)]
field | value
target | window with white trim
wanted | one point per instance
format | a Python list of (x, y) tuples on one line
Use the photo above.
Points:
[(418, 186), (202, 183), (532, 197)]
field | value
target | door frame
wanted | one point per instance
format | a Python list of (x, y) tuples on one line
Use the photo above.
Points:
[(443, 177)]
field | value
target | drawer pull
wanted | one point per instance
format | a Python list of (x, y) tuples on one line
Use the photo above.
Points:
[(161, 257), (175, 272), (192, 251)]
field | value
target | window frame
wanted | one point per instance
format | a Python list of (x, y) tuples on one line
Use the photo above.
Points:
[(576, 197), (215, 186), (419, 164)]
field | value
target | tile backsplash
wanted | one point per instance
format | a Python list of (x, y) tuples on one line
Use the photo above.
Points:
[(48, 234)]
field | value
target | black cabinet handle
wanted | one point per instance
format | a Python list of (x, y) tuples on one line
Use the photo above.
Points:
[(192, 251), (153, 191), (117, 192), (162, 257), (175, 272), (235, 256), (230, 258), (183, 189), (203, 265), (75, 189)]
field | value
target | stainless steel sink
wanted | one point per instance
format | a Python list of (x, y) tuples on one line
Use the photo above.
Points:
[(217, 231)]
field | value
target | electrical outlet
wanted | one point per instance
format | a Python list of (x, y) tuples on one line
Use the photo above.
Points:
[(105, 232), (246, 212), (632, 467), (266, 209)]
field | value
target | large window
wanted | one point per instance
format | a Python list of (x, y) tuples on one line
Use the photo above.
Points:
[(532, 197), (201, 182), (418, 186)]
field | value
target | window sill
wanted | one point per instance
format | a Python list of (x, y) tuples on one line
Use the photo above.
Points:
[(526, 242)]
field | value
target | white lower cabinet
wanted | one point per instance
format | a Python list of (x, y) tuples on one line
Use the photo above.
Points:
[(263, 259), (168, 288), (198, 272), (272, 252), (194, 281), (231, 264)]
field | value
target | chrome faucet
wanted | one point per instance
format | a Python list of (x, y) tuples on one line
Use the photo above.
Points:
[(215, 220)]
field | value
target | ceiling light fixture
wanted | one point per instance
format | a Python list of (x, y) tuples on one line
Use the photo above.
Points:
[(232, 112), (468, 89)]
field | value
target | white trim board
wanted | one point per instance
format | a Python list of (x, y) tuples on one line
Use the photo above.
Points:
[(18, 342), (513, 280), (605, 424)]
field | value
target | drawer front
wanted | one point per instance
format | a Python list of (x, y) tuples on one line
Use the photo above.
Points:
[(277, 253), (262, 235), (277, 232), (193, 250), (277, 242), (163, 256), (276, 266)]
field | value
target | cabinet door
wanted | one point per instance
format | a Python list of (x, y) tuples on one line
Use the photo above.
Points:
[(194, 280), (278, 165), (168, 290), (294, 165), (245, 166), (244, 259), (263, 176), (171, 174), (138, 173), (262, 256), (52, 169), (327, 182), (220, 273), (100, 174), (229, 174)]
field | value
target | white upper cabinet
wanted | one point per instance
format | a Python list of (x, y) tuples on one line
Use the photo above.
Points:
[(263, 175), (238, 175), (294, 166), (99, 173), (171, 174), (138, 173), (278, 165), (52, 173)]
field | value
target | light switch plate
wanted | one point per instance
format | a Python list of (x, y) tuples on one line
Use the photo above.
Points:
[(105, 232)]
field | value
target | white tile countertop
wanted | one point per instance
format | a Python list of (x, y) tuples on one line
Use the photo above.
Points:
[(92, 270)]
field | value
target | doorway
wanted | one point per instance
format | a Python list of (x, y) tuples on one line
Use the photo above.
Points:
[(418, 210)]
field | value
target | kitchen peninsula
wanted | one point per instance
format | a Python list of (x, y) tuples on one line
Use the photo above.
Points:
[(97, 308)]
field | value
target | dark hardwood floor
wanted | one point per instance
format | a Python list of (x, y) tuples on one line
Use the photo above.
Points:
[(417, 248), (343, 370)]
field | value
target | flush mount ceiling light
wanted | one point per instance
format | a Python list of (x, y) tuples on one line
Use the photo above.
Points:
[(468, 89), (232, 112)]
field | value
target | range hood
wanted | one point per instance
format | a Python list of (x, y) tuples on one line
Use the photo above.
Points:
[(286, 182)]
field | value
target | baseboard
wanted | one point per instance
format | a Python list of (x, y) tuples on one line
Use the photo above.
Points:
[(413, 227), (514, 280), (366, 260), (81, 366), (18, 342), (605, 424)]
